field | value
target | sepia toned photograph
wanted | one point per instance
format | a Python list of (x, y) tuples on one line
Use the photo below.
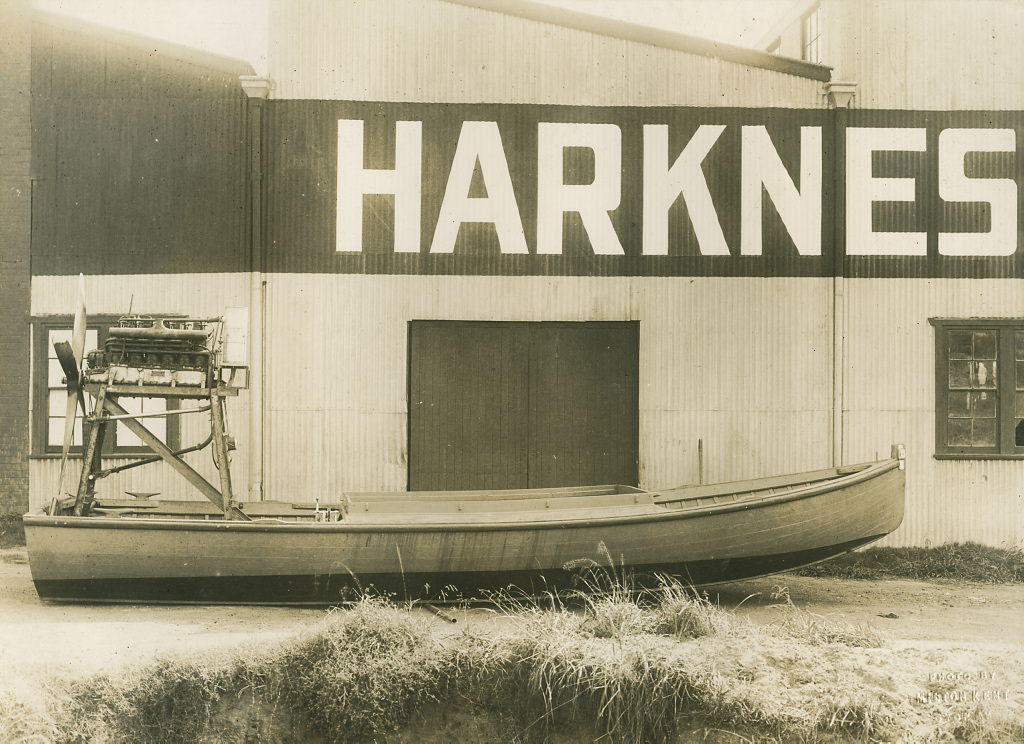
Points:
[(526, 371)]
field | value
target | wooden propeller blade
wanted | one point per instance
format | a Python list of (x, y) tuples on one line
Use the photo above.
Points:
[(68, 363), (70, 356), (80, 325)]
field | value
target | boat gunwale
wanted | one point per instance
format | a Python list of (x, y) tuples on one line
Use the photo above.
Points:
[(870, 472)]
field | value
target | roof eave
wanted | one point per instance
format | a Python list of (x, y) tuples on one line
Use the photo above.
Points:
[(189, 55), (537, 11)]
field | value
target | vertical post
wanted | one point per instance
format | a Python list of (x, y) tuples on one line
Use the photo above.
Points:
[(838, 159), (838, 366), (257, 91), (91, 455), (700, 462), (220, 449), (97, 460)]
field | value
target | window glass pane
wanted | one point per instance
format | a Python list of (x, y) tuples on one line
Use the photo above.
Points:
[(961, 345), (156, 425), (985, 345), (54, 373), (958, 432), (58, 335), (55, 432), (125, 437), (984, 433), (159, 427), (960, 374), (1019, 437), (1020, 375), (959, 405), (56, 404), (1018, 405), (984, 375), (58, 401), (983, 405), (1019, 346)]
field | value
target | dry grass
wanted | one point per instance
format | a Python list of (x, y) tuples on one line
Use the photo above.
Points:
[(954, 561), (682, 613), (627, 667), (818, 630), (363, 673)]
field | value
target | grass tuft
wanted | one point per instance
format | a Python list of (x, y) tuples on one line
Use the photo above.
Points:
[(363, 673), (682, 613), (809, 627), (954, 561)]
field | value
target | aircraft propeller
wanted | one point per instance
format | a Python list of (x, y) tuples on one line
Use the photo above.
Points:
[(70, 357)]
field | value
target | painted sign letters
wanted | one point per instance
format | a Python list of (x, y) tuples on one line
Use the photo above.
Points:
[(517, 189)]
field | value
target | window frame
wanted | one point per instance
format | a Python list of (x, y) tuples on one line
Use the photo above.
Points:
[(805, 41), (1005, 389), (41, 449)]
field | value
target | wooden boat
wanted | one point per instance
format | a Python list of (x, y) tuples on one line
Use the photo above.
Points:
[(442, 545), (432, 545)]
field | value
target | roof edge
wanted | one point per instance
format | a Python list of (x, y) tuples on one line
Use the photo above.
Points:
[(180, 52), (538, 11)]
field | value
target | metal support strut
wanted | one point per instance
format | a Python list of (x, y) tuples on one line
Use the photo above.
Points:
[(107, 408)]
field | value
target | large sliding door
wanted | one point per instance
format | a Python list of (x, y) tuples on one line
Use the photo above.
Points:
[(522, 405)]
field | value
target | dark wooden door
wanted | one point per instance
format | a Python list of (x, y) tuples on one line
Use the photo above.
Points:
[(522, 405)]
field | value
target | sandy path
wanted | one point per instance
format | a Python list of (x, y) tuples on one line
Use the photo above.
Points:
[(42, 637), (84, 638), (927, 613)]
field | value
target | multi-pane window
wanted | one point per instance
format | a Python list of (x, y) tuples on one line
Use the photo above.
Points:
[(979, 387), (811, 36), (51, 399)]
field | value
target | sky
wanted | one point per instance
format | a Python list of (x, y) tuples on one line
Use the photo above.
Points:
[(238, 28)]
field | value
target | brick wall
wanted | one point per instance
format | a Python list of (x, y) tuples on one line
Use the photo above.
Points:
[(15, 230)]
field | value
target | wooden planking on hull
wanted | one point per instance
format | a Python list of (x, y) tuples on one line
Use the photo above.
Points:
[(325, 590), (803, 525)]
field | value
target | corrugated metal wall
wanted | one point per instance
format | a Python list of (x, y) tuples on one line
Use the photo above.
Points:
[(889, 397), (194, 294), (427, 50), (928, 54), (139, 161), (743, 364)]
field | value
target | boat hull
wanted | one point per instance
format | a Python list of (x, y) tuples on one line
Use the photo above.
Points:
[(98, 559), (327, 589)]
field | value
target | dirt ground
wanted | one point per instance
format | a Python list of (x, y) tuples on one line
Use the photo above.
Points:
[(78, 639)]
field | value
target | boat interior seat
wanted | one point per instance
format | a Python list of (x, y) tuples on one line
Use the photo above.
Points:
[(490, 506)]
